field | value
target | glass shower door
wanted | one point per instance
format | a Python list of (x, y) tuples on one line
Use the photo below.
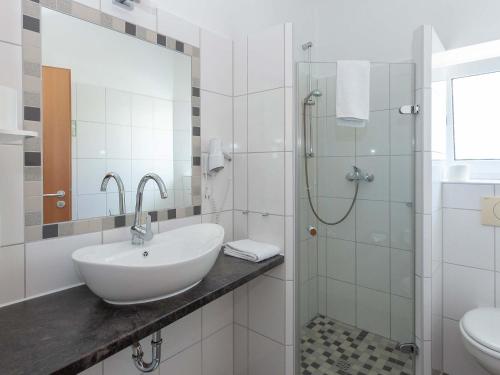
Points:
[(355, 279)]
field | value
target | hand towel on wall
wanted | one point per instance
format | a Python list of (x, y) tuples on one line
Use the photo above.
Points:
[(353, 93)]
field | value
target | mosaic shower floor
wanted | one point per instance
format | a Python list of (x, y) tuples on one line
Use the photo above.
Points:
[(333, 348)]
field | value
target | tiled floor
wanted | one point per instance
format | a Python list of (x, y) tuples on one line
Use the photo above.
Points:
[(333, 348)]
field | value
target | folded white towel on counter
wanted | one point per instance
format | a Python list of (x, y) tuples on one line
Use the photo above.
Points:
[(251, 250), (353, 93)]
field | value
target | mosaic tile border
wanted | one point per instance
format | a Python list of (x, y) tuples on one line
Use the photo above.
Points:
[(32, 119)]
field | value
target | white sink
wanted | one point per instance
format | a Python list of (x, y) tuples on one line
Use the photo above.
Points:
[(169, 264)]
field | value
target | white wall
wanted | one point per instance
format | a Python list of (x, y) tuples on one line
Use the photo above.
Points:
[(376, 30), (201, 343), (28, 269), (263, 197), (471, 270)]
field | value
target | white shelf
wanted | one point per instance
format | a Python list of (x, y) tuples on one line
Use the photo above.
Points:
[(14, 136)]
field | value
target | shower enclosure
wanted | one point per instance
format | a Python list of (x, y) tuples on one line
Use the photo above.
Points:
[(355, 290)]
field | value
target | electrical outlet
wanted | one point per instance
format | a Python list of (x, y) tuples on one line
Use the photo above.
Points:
[(490, 211)]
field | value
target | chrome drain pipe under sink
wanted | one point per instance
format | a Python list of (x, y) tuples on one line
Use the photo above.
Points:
[(138, 354)]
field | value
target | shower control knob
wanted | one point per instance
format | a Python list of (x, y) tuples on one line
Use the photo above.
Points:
[(312, 230)]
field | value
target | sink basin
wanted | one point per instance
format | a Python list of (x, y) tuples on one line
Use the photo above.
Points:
[(169, 264)]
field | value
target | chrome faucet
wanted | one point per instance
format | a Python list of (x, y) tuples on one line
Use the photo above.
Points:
[(139, 232), (357, 175), (121, 188)]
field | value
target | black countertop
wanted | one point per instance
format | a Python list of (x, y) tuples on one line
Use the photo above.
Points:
[(69, 331)]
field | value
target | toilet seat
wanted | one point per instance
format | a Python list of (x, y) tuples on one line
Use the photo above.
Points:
[(481, 328)]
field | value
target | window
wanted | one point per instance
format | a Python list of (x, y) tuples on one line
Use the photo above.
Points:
[(476, 117)]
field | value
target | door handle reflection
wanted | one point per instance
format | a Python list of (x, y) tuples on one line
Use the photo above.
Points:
[(58, 194)]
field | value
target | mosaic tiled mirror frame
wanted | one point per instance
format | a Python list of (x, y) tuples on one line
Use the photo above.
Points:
[(32, 56)]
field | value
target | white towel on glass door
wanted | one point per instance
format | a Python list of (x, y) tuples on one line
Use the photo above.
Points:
[(251, 250), (353, 93)]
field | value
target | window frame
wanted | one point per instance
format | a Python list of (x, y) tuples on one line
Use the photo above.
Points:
[(481, 169)]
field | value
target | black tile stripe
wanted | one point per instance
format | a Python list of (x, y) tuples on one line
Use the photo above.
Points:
[(196, 161), (195, 91), (50, 231), (196, 131), (179, 46), (119, 221), (172, 214), (196, 210), (32, 114), (32, 159), (196, 111), (31, 23), (161, 40), (154, 216), (130, 28)]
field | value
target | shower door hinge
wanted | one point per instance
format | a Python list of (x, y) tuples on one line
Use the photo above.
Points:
[(409, 109), (408, 348)]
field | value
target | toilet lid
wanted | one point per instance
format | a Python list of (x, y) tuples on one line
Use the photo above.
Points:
[(483, 325)]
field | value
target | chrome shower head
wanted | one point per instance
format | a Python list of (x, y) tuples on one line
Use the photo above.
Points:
[(314, 93)]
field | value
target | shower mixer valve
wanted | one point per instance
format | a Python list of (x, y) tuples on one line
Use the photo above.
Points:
[(357, 175)]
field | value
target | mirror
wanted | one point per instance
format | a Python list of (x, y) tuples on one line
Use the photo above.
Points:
[(111, 103)]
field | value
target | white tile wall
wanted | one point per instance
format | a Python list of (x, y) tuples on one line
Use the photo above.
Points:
[(177, 28), (11, 273), (263, 180), (465, 196), (187, 362), (217, 314), (11, 199), (240, 123), (373, 267), (341, 301), (240, 350), (45, 256), (225, 219), (216, 63), (217, 353), (216, 120), (469, 277), (457, 360), (10, 28), (466, 241), (374, 138), (466, 288), (266, 116), (373, 311), (266, 59), (136, 138), (379, 87), (265, 356), (269, 229), (266, 182), (266, 297), (240, 67), (11, 74), (340, 260)]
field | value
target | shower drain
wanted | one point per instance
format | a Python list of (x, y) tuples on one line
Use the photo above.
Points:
[(343, 365)]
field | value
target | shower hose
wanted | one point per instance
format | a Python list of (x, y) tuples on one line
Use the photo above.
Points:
[(307, 181)]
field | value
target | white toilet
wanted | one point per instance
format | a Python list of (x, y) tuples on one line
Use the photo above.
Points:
[(480, 329)]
